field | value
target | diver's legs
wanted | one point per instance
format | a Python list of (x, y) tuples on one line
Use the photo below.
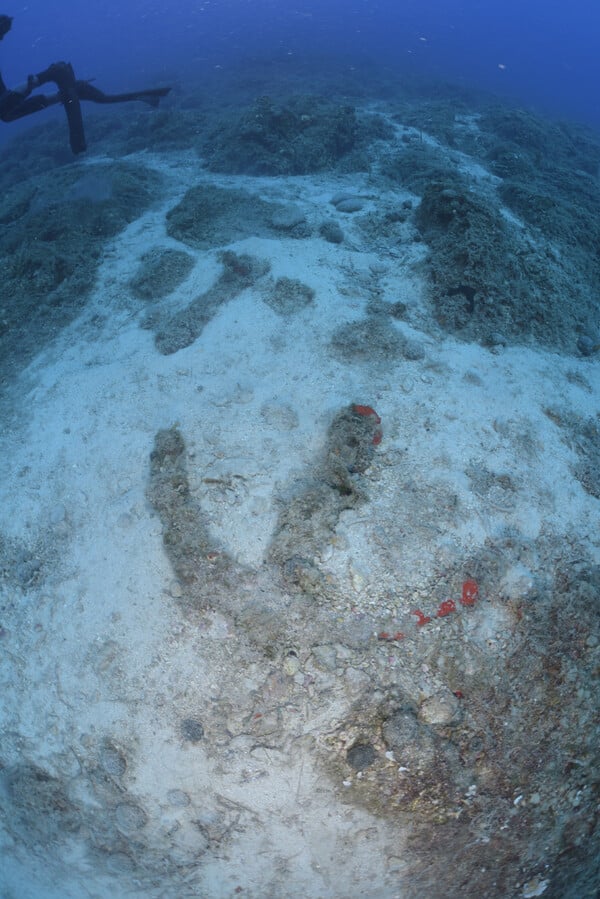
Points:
[(70, 92), (70, 100), (62, 74), (15, 106), (87, 91)]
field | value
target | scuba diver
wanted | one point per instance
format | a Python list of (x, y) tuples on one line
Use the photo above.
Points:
[(17, 102)]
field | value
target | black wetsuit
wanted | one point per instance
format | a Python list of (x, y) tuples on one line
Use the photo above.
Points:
[(15, 105)]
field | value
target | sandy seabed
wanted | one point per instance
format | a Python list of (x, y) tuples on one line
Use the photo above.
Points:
[(238, 656)]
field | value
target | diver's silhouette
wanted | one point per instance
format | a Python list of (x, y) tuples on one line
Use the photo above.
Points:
[(18, 102)]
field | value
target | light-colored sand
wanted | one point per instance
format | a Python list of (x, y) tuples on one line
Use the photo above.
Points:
[(100, 654)]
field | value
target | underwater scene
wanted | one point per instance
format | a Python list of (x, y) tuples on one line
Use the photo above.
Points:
[(299, 450)]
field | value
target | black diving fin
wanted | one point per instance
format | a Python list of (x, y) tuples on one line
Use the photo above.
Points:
[(62, 74)]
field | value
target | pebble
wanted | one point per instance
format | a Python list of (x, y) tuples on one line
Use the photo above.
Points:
[(535, 887), (341, 197), (497, 339), (291, 665), (113, 761), (586, 345), (130, 817), (349, 206), (441, 708), (331, 232), (361, 756), (325, 656), (288, 218)]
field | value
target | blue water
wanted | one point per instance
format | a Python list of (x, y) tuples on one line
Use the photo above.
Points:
[(541, 53)]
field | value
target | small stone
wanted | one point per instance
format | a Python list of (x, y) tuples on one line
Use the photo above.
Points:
[(358, 580), (287, 218), (130, 817), (192, 730), (350, 206), (113, 761), (325, 656), (341, 197), (331, 232), (496, 339), (413, 351), (291, 664), (360, 756), (534, 887), (442, 708), (586, 345)]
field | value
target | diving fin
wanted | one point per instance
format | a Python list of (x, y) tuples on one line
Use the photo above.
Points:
[(62, 74), (70, 101)]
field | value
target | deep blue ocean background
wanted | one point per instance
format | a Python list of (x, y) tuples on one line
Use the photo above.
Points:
[(539, 53)]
